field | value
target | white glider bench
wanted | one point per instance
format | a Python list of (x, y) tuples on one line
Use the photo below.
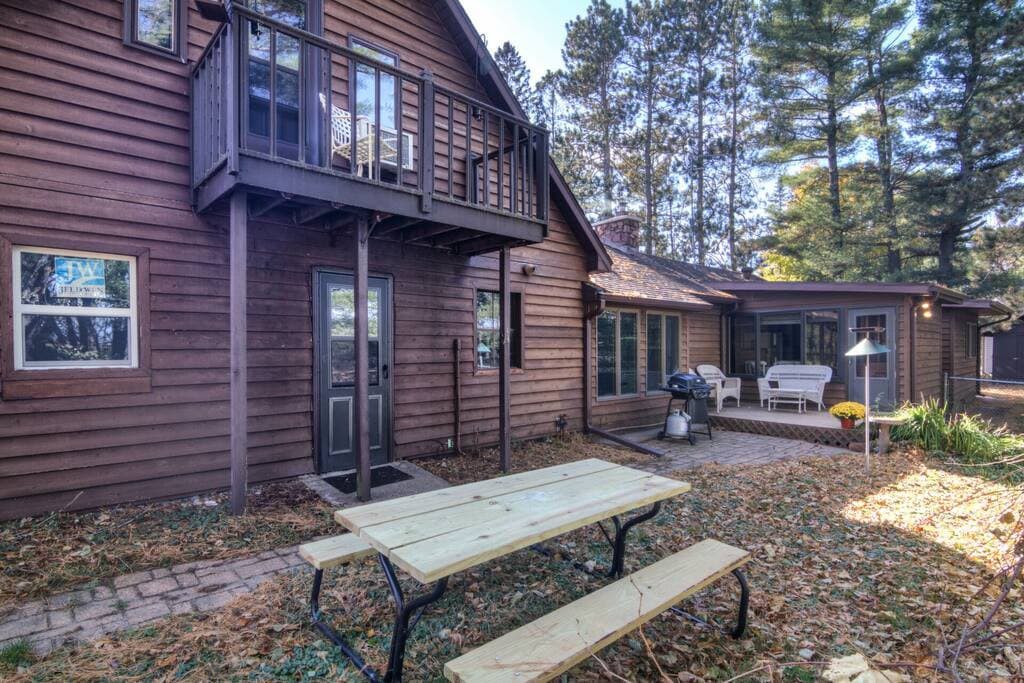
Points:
[(543, 649)]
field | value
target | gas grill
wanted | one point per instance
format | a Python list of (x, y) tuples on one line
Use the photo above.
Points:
[(693, 391)]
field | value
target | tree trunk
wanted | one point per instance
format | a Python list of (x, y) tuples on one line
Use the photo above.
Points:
[(733, 131), (606, 151), (883, 146), (700, 232), (648, 164), (832, 139)]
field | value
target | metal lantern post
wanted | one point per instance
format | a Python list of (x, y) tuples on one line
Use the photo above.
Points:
[(867, 348)]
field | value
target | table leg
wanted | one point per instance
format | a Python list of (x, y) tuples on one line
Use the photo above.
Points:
[(619, 545), (403, 614), (317, 617)]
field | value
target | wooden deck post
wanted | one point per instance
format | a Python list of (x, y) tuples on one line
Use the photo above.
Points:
[(237, 242), (361, 398), (504, 370)]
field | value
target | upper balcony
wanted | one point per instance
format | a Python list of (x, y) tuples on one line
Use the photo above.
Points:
[(332, 129)]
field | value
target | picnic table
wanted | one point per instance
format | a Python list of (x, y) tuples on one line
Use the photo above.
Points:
[(432, 535)]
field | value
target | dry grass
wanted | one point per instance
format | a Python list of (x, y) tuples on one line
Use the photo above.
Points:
[(39, 556), (844, 562), (530, 455)]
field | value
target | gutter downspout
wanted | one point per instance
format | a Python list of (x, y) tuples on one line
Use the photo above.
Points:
[(592, 309)]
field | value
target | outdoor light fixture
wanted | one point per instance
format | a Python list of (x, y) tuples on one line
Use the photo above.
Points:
[(529, 269), (867, 347)]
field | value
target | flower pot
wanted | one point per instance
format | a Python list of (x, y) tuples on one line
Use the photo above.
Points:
[(847, 422)]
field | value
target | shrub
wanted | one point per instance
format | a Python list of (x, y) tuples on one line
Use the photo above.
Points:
[(970, 437), (850, 410)]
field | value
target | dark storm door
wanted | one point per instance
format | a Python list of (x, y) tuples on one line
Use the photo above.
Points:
[(880, 325), (336, 370)]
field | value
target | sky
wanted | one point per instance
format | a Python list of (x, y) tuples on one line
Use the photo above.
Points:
[(535, 27)]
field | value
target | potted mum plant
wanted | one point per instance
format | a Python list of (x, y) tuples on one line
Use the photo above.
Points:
[(848, 412)]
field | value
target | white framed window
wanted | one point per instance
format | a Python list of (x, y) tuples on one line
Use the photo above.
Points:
[(74, 309)]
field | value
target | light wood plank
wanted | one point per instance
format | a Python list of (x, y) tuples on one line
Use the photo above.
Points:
[(541, 650), (552, 498), (334, 551), (356, 518), (440, 556)]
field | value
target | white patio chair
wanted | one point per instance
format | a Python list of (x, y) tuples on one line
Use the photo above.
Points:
[(724, 387)]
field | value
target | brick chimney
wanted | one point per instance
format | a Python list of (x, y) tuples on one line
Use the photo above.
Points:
[(623, 230)]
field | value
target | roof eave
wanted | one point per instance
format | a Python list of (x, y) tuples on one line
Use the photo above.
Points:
[(658, 303)]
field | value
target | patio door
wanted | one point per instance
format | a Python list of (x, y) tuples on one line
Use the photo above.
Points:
[(880, 325), (335, 368)]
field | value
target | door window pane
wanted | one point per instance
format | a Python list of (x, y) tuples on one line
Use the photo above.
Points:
[(743, 345), (286, 79), (821, 339), (874, 327), (606, 325), (627, 353), (654, 351), (155, 23), (343, 330)]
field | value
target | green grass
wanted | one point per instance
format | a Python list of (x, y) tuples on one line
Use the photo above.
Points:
[(16, 654)]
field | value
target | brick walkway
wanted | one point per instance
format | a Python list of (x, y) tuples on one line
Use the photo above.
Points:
[(134, 599)]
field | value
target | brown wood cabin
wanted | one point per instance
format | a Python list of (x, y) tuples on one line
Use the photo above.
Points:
[(189, 208), (651, 316)]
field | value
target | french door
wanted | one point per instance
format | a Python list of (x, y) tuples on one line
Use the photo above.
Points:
[(335, 369), (880, 325)]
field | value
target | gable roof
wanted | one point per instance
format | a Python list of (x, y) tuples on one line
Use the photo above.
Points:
[(637, 278), (476, 53)]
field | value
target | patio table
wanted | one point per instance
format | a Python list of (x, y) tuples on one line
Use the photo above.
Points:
[(436, 534), (797, 397)]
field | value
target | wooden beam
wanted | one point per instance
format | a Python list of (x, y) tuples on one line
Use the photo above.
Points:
[(504, 368), (462, 235), (482, 245), (394, 224), (425, 232), (261, 208), (361, 398), (310, 214), (237, 245)]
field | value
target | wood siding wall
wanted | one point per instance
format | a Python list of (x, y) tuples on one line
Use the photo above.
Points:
[(955, 360), (94, 149), (700, 342)]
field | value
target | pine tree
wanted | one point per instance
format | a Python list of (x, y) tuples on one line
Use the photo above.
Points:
[(700, 24), (809, 52), (654, 93), (593, 86), (737, 78), (891, 74), (549, 101), (517, 75), (971, 114)]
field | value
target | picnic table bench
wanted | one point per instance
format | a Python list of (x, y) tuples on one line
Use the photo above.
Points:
[(433, 535)]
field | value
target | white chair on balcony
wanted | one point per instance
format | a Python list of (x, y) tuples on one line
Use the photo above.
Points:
[(723, 387)]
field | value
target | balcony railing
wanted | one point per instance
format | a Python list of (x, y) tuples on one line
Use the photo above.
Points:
[(266, 90)]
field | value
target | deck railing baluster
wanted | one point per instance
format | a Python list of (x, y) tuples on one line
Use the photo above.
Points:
[(486, 160), (501, 162), (376, 124), (532, 172), (302, 101), (400, 139), (273, 92), (451, 146), (470, 170), (353, 72)]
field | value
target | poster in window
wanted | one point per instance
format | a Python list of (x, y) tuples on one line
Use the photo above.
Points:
[(80, 278)]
